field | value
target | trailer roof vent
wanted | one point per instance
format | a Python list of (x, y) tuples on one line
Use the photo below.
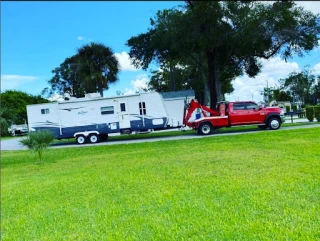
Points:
[(92, 95), (66, 96)]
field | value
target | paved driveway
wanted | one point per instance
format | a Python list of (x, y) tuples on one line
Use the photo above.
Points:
[(13, 144)]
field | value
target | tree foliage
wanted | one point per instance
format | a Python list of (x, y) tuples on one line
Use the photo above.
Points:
[(225, 39), (90, 70), (3, 120), (16, 102), (301, 86)]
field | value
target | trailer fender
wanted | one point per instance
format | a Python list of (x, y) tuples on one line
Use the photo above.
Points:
[(85, 133)]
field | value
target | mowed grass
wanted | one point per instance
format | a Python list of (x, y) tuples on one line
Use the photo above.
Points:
[(261, 186)]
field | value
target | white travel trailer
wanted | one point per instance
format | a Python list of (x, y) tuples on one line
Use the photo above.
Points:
[(174, 102), (93, 117)]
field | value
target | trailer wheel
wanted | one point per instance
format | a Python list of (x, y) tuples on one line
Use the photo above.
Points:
[(93, 138), (81, 139), (274, 123), (205, 129)]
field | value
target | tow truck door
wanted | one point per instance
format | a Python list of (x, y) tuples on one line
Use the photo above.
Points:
[(237, 113), (254, 114)]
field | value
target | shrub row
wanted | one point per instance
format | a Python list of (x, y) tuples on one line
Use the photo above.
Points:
[(313, 112)]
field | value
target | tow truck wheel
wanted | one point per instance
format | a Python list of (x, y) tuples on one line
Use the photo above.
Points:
[(205, 129), (93, 138), (81, 139), (274, 124)]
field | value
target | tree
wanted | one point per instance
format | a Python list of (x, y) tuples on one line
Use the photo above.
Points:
[(156, 44), (38, 141), (90, 70), (16, 102), (226, 39), (98, 67), (3, 120), (300, 85), (238, 33)]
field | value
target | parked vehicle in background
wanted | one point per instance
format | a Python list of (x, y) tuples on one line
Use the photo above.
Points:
[(18, 129)]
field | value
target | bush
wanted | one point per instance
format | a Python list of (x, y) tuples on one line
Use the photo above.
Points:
[(317, 112), (294, 107), (38, 142), (287, 109), (310, 113)]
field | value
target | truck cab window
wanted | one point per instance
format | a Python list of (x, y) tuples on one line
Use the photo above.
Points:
[(252, 106), (238, 106)]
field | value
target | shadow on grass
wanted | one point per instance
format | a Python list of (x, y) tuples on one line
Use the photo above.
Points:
[(167, 134)]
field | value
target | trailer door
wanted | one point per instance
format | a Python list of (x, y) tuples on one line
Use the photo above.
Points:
[(124, 118)]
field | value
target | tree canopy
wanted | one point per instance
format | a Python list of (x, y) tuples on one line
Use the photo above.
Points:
[(15, 103), (225, 39), (90, 70)]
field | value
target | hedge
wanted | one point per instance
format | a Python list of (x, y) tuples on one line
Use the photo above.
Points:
[(317, 112), (310, 113)]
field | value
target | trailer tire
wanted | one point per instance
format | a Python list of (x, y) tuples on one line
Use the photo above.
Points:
[(205, 129), (93, 138), (274, 123), (81, 139)]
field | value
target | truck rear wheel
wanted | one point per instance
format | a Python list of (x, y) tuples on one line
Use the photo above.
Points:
[(274, 123), (205, 129), (81, 139)]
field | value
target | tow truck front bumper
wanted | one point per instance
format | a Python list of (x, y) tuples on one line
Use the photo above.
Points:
[(283, 118)]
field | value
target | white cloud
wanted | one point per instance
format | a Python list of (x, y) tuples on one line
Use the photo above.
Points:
[(80, 38), (246, 88), (125, 63), (55, 97), (316, 69), (138, 85), (9, 82), (313, 6)]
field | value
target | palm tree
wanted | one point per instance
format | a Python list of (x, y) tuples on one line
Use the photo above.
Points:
[(38, 141), (98, 67)]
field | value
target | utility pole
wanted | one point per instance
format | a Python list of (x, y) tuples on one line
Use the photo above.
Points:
[(268, 92)]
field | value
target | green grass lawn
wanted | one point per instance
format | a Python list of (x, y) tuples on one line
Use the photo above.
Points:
[(264, 186)]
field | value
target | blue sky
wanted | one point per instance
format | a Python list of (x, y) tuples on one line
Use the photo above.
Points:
[(37, 36)]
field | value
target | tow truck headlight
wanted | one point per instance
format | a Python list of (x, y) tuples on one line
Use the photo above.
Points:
[(282, 112)]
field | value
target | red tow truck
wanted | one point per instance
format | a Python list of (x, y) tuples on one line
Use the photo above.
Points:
[(204, 120)]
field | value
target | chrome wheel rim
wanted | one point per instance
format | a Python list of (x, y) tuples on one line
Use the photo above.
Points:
[(274, 124)]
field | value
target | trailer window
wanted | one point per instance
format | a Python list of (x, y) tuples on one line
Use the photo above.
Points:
[(122, 107), (142, 108), (107, 110), (44, 111)]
